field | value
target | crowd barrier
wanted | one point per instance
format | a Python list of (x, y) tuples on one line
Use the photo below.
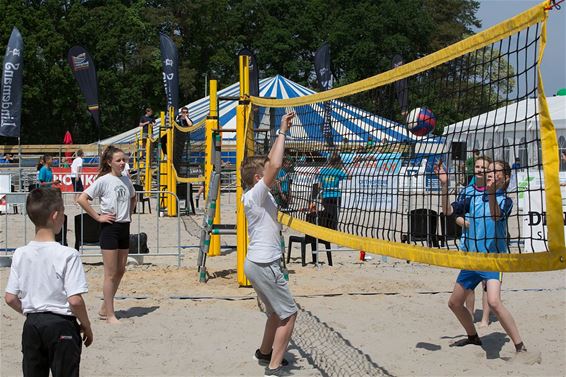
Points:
[(17, 229)]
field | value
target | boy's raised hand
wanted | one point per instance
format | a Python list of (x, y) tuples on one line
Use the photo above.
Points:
[(441, 173), (491, 184), (286, 121)]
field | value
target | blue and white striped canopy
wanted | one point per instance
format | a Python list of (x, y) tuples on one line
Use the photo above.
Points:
[(347, 121)]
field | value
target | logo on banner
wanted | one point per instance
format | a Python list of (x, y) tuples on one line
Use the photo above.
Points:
[(324, 73), (10, 70), (80, 62), (14, 52)]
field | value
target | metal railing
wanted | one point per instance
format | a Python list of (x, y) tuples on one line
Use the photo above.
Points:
[(15, 220)]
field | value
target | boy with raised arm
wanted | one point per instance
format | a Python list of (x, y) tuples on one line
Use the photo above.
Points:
[(264, 253)]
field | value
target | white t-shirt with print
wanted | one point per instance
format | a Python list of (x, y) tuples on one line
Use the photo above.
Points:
[(263, 228), (114, 193), (75, 165), (44, 274)]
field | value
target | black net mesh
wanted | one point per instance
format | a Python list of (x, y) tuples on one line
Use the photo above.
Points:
[(369, 163)]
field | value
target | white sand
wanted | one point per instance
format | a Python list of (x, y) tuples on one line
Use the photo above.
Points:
[(356, 318)]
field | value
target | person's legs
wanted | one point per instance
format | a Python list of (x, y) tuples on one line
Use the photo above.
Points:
[(35, 355), (114, 268), (74, 184), (456, 304), (281, 340), (65, 345), (471, 302), (504, 316), (269, 334), (485, 306)]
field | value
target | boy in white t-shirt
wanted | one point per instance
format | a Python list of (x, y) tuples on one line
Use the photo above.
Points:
[(45, 284), (262, 266)]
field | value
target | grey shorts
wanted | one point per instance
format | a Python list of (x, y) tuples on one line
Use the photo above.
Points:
[(271, 288)]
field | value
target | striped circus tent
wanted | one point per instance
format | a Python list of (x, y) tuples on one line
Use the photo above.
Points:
[(347, 121)]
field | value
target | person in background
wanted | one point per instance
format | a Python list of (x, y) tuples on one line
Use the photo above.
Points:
[(76, 170), (126, 171), (146, 121), (38, 167), (282, 187), (330, 177), (517, 164), (515, 168), (183, 118), (45, 175), (146, 124), (470, 163)]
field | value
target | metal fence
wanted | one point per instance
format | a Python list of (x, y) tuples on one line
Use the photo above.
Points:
[(16, 229)]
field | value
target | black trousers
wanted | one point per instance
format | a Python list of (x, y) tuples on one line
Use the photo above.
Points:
[(329, 216), (51, 342)]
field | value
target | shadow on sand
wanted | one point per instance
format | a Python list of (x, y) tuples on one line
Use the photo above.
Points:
[(136, 311)]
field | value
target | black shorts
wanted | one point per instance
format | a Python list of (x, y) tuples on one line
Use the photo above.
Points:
[(115, 236), (77, 184)]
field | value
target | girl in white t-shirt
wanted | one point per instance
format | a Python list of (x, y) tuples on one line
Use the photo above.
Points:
[(117, 199)]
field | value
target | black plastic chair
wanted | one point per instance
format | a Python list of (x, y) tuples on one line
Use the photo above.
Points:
[(449, 230), (306, 239), (423, 223), (87, 231), (142, 198)]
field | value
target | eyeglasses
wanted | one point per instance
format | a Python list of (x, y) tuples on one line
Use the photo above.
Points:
[(185, 112)]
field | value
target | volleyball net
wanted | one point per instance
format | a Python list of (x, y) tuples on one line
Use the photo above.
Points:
[(365, 162), (189, 149)]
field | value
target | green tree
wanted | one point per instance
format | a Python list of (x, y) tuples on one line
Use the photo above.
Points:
[(123, 39)]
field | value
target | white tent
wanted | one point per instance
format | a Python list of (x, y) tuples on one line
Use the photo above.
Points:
[(349, 121), (510, 130)]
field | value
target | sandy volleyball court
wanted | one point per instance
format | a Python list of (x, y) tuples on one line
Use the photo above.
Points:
[(380, 317), (357, 318)]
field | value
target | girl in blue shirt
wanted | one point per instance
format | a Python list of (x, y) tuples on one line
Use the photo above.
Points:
[(45, 176), (488, 212)]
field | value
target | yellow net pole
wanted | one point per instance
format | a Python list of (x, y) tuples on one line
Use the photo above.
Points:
[(171, 202), (162, 171), (136, 148), (147, 161), (211, 126), (241, 223), (550, 153)]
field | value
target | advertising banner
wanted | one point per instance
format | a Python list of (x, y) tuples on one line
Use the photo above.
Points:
[(532, 204), (12, 77), (88, 176), (84, 72)]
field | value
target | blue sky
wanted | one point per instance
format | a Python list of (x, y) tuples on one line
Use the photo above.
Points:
[(492, 12)]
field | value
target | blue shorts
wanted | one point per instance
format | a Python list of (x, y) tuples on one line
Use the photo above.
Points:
[(470, 279)]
